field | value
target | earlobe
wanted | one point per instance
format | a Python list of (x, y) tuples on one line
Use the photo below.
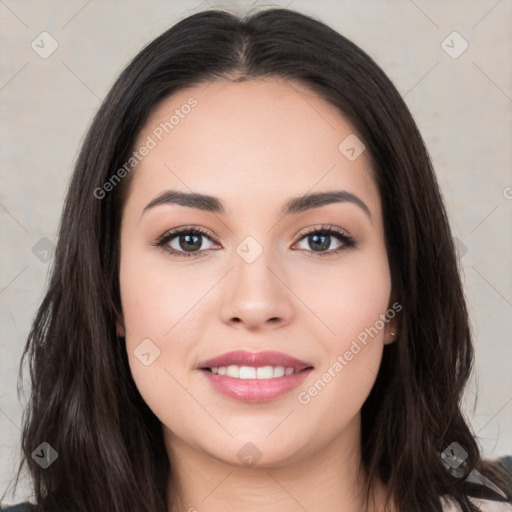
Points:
[(391, 335), (120, 328), (391, 330)]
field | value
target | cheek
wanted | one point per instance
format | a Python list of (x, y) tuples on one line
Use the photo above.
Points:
[(352, 302), (159, 334), (349, 297), (156, 293), (153, 307)]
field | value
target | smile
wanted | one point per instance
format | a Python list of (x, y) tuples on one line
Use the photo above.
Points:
[(254, 376), (251, 372)]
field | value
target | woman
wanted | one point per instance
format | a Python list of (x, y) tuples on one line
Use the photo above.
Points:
[(255, 300)]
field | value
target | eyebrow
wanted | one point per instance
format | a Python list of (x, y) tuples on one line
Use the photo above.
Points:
[(295, 205)]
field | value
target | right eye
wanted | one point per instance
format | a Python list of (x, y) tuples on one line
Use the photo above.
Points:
[(183, 242)]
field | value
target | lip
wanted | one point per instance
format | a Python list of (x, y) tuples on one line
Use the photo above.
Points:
[(255, 359), (255, 390)]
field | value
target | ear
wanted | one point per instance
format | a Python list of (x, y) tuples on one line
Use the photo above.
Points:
[(391, 330), (120, 327)]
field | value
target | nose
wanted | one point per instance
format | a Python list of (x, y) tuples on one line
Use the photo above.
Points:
[(256, 295)]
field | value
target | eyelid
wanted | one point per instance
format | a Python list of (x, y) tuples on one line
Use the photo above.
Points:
[(322, 227), (171, 233)]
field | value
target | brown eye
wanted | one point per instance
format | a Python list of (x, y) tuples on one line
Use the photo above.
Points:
[(320, 240), (184, 242)]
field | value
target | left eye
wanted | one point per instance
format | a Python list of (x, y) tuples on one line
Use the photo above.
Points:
[(319, 241)]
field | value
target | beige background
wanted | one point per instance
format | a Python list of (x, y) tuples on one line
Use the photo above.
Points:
[(463, 107)]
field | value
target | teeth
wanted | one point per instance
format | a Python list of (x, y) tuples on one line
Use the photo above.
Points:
[(265, 372), (251, 372)]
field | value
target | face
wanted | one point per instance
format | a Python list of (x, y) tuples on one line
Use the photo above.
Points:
[(253, 278)]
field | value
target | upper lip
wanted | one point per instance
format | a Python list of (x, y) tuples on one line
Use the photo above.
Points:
[(256, 359)]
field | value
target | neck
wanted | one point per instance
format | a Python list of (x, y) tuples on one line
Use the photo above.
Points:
[(326, 479)]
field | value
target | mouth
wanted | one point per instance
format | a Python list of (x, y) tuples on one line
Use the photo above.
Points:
[(254, 377)]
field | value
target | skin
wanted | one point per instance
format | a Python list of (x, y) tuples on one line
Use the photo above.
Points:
[(255, 144)]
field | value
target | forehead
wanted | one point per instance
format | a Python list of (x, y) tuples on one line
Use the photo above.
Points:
[(264, 139)]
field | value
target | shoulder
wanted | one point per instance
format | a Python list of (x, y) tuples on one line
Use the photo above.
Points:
[(483, 505), (492, 506), (20, 507)]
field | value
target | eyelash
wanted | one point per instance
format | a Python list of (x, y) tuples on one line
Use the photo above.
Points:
[(348, 242)]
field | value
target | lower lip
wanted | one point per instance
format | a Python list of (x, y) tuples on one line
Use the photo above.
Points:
[(255, 390)]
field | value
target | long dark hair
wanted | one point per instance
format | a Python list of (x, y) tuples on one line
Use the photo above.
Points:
[(84, 402)]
